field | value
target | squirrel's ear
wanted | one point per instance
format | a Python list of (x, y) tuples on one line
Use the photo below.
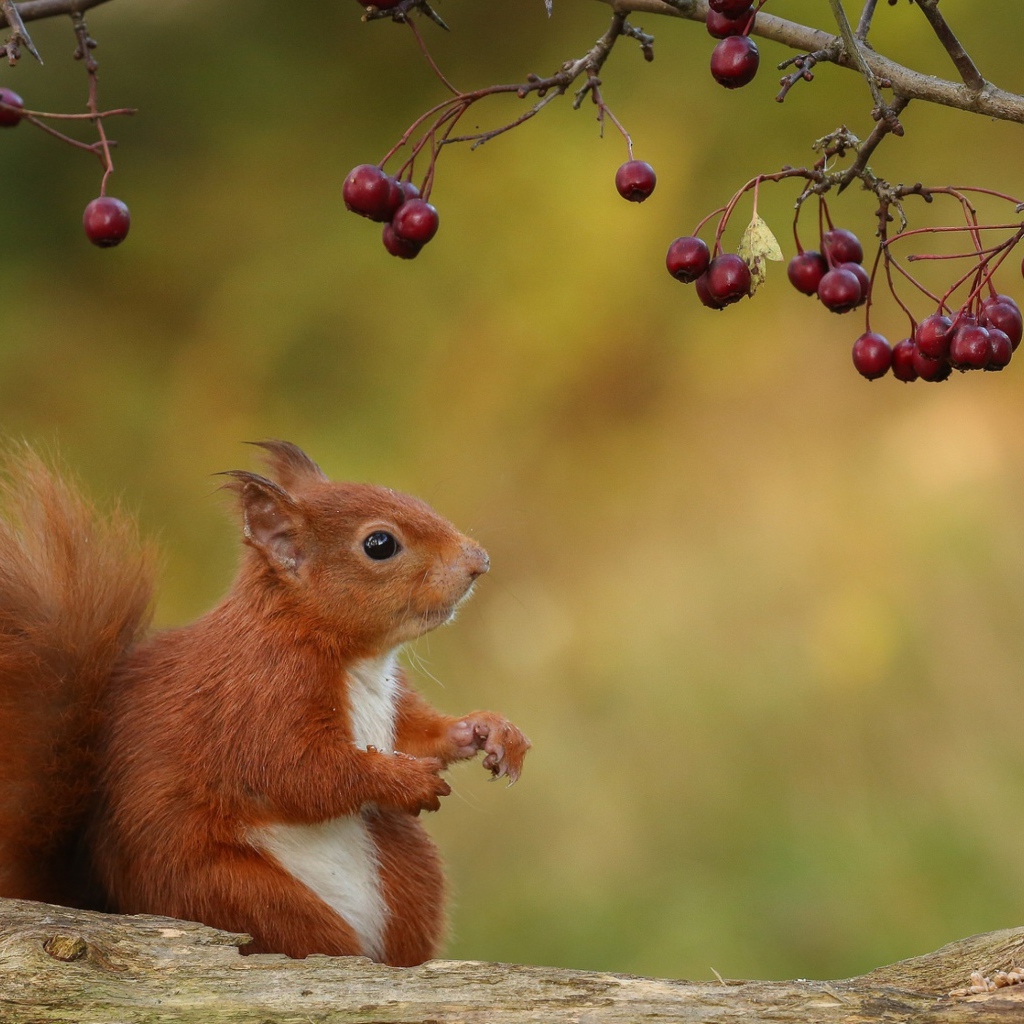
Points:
[(289, 465), (271, 520)]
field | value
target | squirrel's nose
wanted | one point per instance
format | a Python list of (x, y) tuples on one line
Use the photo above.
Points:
[(475, 558)]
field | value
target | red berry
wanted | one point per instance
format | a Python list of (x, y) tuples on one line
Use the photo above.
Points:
[(872, 355), (395, 197), (931, 369), (862, 275), (933, 335), (1006, 317), (398, 246), (687, 258), (705, 296), (409, 190), (1000, 349), (367, 191), (721, 25), (734, 61), (11, 107), (903, 360), (805, 271), (840, 291), (970, 348), (106, 221), (842, 246), (635, 180), (730, 8), (398, 193), (416, 221), (991, 300), (728, 278)]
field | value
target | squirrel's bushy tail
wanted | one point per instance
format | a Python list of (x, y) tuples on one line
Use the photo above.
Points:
[(75, 593)]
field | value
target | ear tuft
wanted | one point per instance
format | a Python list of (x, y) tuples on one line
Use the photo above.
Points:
[(289, 465), (272, 521)]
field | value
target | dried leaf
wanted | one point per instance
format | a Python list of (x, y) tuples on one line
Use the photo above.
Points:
[(758, 245)]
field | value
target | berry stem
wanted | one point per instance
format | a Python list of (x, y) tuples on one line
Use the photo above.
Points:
[(869, 298), (888, 263), (891, 260), (823, 218), (90, 147), (449, 111), (126, 111), (85, 48), (430, 60), (946, 228), (593, 86), (796, 234)]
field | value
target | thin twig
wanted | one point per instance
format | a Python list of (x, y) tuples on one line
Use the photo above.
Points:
[(19, 34), (853, 48), (803, 63), (430, 60), (90, 147), (84, 52), (886, 126), (546, 89), (864, 25), (479, 138), (969, 72)]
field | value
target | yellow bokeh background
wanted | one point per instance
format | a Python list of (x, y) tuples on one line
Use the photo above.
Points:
[(761, 618)]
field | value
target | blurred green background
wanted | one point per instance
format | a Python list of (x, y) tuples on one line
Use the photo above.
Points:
[(761, 618)]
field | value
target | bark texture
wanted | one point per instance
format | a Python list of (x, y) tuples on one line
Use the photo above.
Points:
[(68, 965)]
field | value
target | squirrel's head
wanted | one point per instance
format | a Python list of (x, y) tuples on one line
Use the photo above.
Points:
[(374, 567)]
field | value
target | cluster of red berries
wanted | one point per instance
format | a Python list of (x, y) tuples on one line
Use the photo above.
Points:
[(835, 275), (734, 61), (106, 220), (409, 221), (985, 340), (720, 281), (979, 336)]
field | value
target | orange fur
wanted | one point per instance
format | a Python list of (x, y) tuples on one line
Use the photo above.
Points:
[(181, 763)]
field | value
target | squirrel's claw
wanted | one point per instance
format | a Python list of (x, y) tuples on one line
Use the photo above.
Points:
[(503, 745)]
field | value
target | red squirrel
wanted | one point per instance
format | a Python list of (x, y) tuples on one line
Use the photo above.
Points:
[(262, 769)]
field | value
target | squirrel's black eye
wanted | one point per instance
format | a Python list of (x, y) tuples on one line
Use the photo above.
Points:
[(380, 545)]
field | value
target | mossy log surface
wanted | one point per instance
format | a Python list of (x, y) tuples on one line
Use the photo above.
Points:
[(67, 965)]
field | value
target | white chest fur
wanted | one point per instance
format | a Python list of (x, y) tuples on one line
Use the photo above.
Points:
[(337, 859), (372, 695)]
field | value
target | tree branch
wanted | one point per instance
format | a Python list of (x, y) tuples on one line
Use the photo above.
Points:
[(58, 965), (33, 10), (19, 34), (989, 100)]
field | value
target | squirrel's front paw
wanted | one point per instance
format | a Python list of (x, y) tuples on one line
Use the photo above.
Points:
[(504, 746), (421, 782)]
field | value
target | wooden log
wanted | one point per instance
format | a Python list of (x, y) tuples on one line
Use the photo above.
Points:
[(60, 965)]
